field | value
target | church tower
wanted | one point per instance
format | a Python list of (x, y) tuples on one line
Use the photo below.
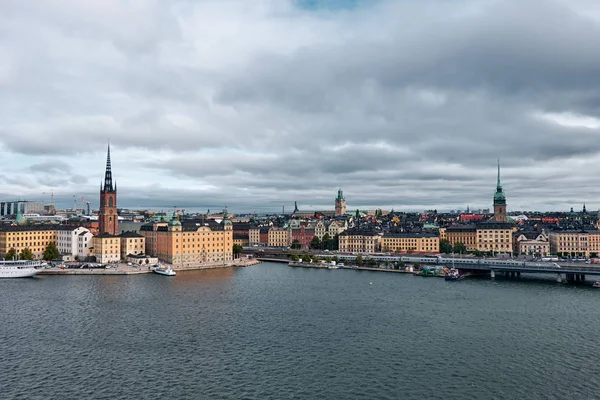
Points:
[(107, 217), (340, 204), (499, 201)]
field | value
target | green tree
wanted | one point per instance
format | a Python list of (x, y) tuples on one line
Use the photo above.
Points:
[(315, 243), (336, 259), (335, 242), (296, 244), (237, 249), (445, 246), (295, 257), (459, 248), (26, 254), (305, 258), (359, 260), (326, 242), (417, 266), (51, 252), (11, 254), (327, 259), (477, 253), (371, 262)]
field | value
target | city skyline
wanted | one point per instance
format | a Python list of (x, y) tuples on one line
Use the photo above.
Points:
[(288, 101)]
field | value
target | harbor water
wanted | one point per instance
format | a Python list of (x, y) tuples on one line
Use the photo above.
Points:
[(275, 332)]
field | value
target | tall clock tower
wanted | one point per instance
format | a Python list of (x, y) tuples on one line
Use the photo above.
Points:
[(107, 217), (499, 201)]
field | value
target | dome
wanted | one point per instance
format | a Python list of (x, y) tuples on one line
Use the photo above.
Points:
[(174, 222)]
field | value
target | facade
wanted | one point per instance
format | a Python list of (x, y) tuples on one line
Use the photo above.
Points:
[(254, 236), (536, 244), (106, 248), (263, 236), (23, 207), (465, 234), (340, 204), (359, 241), (336, 227), (575, 243), (108, 221), (36, 238), (495, 237), (191, 243), (148, 231), (411, 242), (304, 235), (499, 201), (278, 237), (241, 239), (132, 244), (320, 229), (73, 242)]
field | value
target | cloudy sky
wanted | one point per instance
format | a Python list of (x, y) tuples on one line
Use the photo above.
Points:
[(257, 103)]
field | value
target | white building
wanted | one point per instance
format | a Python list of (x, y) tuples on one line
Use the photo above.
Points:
[(73, 242)]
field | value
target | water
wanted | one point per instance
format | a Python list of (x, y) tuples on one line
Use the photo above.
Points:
[(275, 332)]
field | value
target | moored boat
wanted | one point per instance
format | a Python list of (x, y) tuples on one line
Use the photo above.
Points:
[(453, 275), (166, 270), (19, 269), (596, 284)]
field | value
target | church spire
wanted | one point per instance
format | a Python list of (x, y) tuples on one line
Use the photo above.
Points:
[(499, 186), (108, 184)]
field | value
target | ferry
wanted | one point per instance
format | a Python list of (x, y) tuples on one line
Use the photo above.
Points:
[(19, 269), (166, 270), (453, 275)]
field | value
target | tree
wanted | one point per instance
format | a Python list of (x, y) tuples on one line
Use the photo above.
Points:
[(296, 244), (26, 254), (336, 259), (11, 254), (371, 262), (237, 249), (459, 248), (328, 259), (359, 260), (445, 246), (147, 261), (295, 257), (326, 242), (315, 243), (477, 253), (305, 258), (335, 242), (51, 252)]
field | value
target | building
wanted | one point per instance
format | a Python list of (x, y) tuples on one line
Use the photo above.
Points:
[(73, 242), (575, 243), (499, 201), (263, 236), (191, 243), (107, 215), (253, 236), (340, 204), (148, 231), (106, 248), (532, 243), (359, 241), (302, 236), (24, 207), (35, 238), (241, 239), (410, 242), (465, 234), (132, 244), (494, 237), (320, 229), (278, 237), (336, 227)]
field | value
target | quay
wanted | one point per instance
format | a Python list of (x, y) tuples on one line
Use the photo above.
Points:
[(124, 269)]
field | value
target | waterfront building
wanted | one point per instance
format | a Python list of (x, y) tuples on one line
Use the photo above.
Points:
[(20, 206), (494, 237), (340, 204), (575, 243), (410, 242), (192, 242), (107, 215), (303, 234), (499, 201), (241, 239), (263, 236), (358, 240), (465, 234), (106, 248), (73, 242), (132, 244), (532, 243), (336, 227), (254, 236), (278, 237), (36, 238)]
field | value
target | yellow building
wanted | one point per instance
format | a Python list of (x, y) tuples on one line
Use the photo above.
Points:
[(359, 241), (410, 242), (575, 243), (241, 240), (191, 244), (36, 238), (490, 237), (106, 248), (132, 244), (465, 234), (254, 236), (278, 237)]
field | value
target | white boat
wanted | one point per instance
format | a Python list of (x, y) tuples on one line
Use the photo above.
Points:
[(333, 267), (166, 270), (19, 269)]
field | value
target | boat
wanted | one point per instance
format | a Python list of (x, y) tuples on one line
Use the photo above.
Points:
[(19, 269), (166, 270), (453, 275), (596, 284), (333, 267)]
